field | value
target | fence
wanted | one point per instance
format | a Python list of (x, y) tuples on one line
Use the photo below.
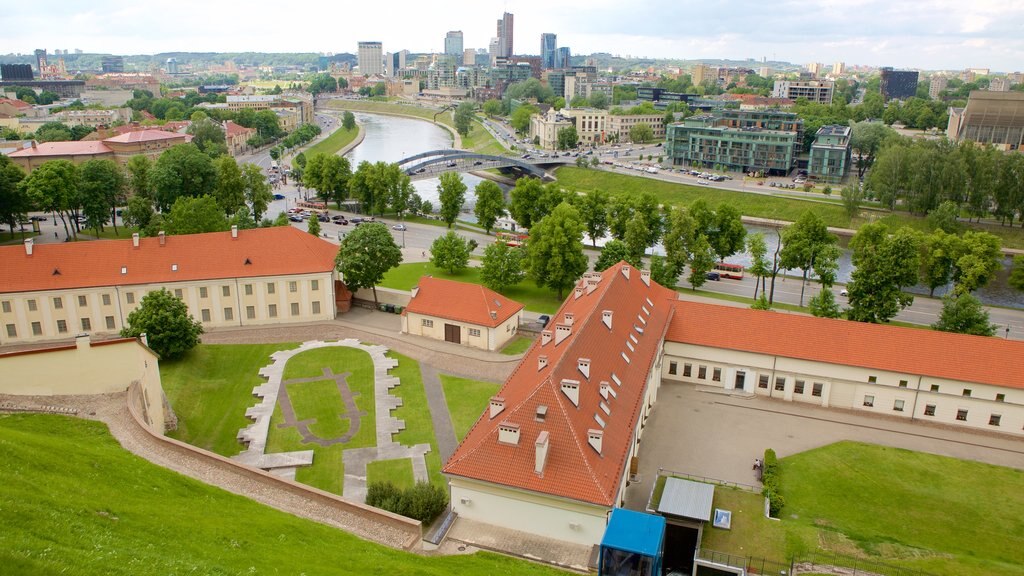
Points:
[(813, 562), (749, 564), (706, 480)]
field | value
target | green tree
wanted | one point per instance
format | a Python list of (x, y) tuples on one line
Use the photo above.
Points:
[(493, 107), (170, 330), (702, 261), (662, 273), (140, 170), (503, 266), (867, 139), (826, 268), (964, 314), (321, 83), (1017, 275), (14, 198), (979, 261), (257, 190), (520, 119), (885, 263), (599, 100), (53, 132), (139, 212), (365, 255), (182, 170), (945, 218), (242, 219), (450, 252), (53, 187), (313, 226), (207, 135), (567, 138), (620, 212), (451, 192), (490, 204), (641, 133), (555, 249), (464, 118), (613, 252), (802, 242), (101, 186), (636, 241), (348, 121), (729, 234), (593, 208), (524, 198), (852, 197), (195, 215), (759, 266), (679, 236), (230, 189)]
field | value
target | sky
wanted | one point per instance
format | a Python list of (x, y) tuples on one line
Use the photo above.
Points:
[(926, 34)]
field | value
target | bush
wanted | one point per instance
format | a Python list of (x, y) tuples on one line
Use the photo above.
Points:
[(422, 502), (770, 480)]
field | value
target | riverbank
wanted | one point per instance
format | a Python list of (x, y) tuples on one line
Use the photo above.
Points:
[(400, 110)]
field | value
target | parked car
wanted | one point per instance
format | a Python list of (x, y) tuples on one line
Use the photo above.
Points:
[(278, 196), (543, 320), (323, 218), (338, 217), (399, 227), (844, 292), (44, 218), (713, 276), (355, 220), (295, 218)]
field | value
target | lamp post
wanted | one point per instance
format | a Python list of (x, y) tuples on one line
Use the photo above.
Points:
[(1007, 337)]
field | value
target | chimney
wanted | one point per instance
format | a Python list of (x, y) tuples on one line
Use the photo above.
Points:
[(494, 315), (561, 333), (497, 405), (541, 452), (82, 341), (568, 318), (607, 390), (579, 292), (163, 238), (645, 277), (571, 389), (545, 337), (542, 362), (135, 239), (625, 272), (415, 291), (508, 433), (145, 338), (594, 438), (606, 317), (592, 284), (28, 246), (583, 364), (33, 144), (234, 231)]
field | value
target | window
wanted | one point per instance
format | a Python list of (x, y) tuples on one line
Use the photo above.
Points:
[(474, 332), (780, 383), (7, 306), (798, 387), (58, 303), (177, 293), (687, 370), (229, 314), (106, 299), (129, 297), (1000, 397), (272, 311), (314, 285), (270, 287), (967, 392), (869, 401), (32, 305), (702, 372), (83, 301), (903, 383), (935, 387), (37, 329), (225, 291), (62, 326), (248, 289), (929, 410), (672, 367), (716, 375), (250, 312), (961, 415), (816, 389), (86, 324), (872, 379), (427, 323), (203, 293), (897, 406), (762, 382), (12, 331), (316, 307), (295, 308), (205, 314), (994, 419), (110, 322), (293, 286)]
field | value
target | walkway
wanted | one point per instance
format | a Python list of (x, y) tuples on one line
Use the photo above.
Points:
[(444, 431)]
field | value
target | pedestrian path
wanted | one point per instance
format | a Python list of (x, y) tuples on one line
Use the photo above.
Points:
[(444, 431)]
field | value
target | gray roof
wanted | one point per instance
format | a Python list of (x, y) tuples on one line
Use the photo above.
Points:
[(687, 499)]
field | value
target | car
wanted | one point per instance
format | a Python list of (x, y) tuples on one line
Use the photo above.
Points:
[(543, 320), (477, 163), (278, 196), (844, 292), (399, 227), (355, 219), (338, 217), (451, 165), (323, 218), (713, 276), (295, 218), (44, 218)]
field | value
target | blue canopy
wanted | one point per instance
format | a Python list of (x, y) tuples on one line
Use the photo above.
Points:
[(634, 532)]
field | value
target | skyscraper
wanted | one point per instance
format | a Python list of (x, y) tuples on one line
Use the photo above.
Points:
[(564, 58), (371, 58), (453, 43), (548, 50), (898, 84), (505, 48)]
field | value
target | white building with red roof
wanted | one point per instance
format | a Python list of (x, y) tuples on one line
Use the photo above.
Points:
[(461, 313), (120, 148)]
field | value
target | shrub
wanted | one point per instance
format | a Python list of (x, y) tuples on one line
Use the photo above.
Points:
[(770, 480), (422, 502)]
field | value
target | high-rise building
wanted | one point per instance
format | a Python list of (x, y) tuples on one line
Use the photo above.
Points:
[(564, 58), (839, 68), (936, 85), (505, 33), (40, 60), (898, 84), (453, 43), (112, 64), (172, 65), (814, 68), (819, 91), (371, 58), (492, 51), (999, 84), (702, 73), (548, 50), (469, 57)]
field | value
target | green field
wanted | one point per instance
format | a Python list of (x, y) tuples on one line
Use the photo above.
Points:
[(480, 140), (75, 502), (467, 399), (405, 276), (518, 345), (336, 141), (392, 108), (397, 472), (419, 428)]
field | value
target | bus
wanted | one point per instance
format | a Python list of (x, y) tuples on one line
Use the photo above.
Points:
[(513, 239), (732, 271)]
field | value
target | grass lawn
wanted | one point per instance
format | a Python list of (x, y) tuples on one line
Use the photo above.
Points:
[(211, 387), (336, 141), (398, 472), (391, 108), (74, 501), (467, 399), (482, 141), (419, 428), (518, 345), (405, 276), (751, 533)]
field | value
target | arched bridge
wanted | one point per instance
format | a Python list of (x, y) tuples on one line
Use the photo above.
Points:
[(434, 162)]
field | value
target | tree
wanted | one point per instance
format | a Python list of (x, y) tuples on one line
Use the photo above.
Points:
[(451, 192), (170, 330), (140, 170), (599, 100), (53, 187), (802, 242), (593, 208), (14, 198), (662, 273), (729, 233), (493, 107), (502, 266), (182, 170), (555, 249), (702, 261), (230, 190), (636, 241), (242, 219), (365, 255), (450, 252), (679, 236), (620, 211), (524, 198), (759, 267), (313, 226), (979, 260), (612, 253), (567, 137), (826, 268), (1017, 275), (101, 186), (490, 204), (207, 135), (884, 263), (520, 119), (139, 212), (824, 305), (964, 314), (348, 121), (867, 138), (191, 215), (852, 197), (945, 218), (257, 190), (641, 133), (464, 118), (322, 83), (53, 132)]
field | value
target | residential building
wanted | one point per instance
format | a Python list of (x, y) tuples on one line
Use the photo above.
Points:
[(999, 84), (748, 141), (619, 125), (1015, 78), (13, 107), (936, 84), (237, 278), (898, 84), (93, 117), (237, 137), (701, 74), (830, 154), (548, 50), (124, 81), (120, 148), (591, 124), (482, 319), (301, 105), (819, 91), (995, 118), (371, 59), (453, 43), (112, 64), (506, 47), (469, 57), (172, 66), (815, 68), (839, 68), (544, 128)]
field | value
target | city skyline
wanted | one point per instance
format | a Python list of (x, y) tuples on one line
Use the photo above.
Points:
[(930, 34)]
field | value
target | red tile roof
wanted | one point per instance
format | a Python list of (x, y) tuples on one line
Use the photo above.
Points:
[(19, 104), (233, 129), (978, 359), (462, 302), (268, 251), (71, 148), (145, 136), (574, 469)]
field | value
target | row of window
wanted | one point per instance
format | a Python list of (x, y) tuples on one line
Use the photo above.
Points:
[(799, 386), (929, 410), (426, 323), (62, 326)]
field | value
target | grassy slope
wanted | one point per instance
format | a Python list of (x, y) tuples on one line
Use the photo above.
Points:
[(74, 501), (336, 141), (467, 400), (388, 107), (419, 428), (518, 345)]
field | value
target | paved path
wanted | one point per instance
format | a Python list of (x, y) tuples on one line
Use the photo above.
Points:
[(439, 415)]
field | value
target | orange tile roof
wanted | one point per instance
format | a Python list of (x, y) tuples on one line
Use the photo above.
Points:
[(232, 129), (462, 302), (70, 148), (574, 469), (145, 136), (20, 104), (980, 359), (268, 251)]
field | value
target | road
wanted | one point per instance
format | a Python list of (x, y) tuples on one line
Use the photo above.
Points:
[(328, 124)]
